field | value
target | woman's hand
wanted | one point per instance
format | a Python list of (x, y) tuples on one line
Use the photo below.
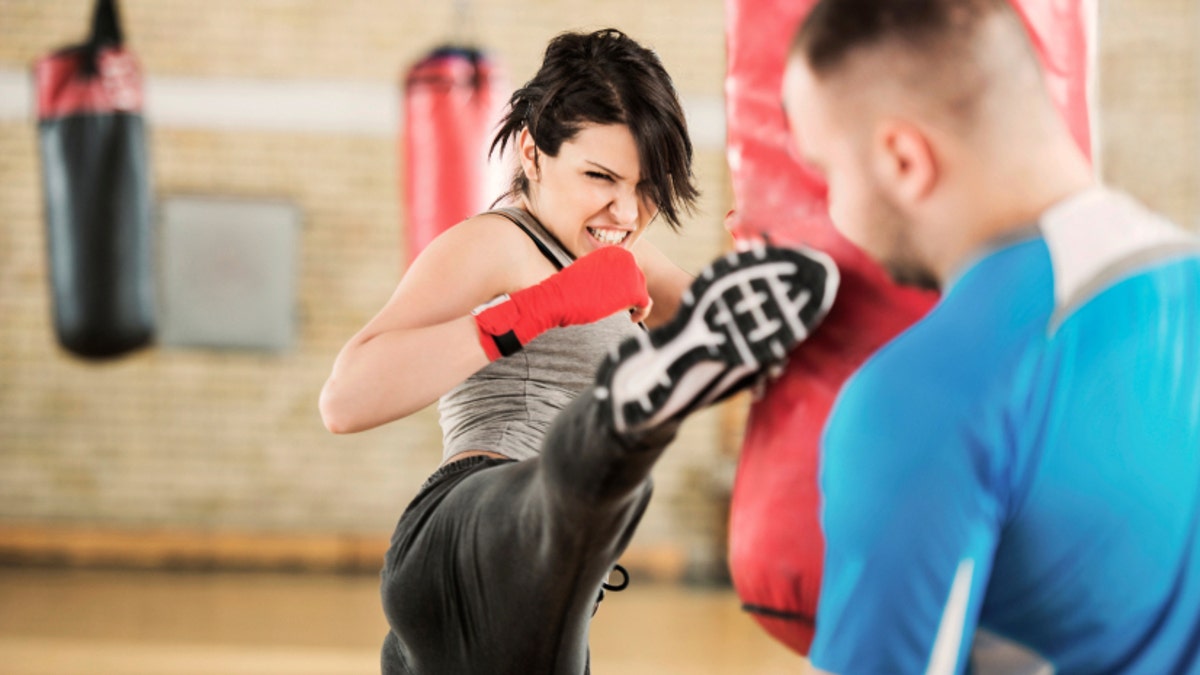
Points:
[(424, 341), (592, 288)]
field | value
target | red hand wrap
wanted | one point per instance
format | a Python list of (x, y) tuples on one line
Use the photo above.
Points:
[(594, 287)]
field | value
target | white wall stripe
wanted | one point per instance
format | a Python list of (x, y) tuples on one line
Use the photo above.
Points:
[(706, 121), (16, 96), (305, 106), (273, 105)]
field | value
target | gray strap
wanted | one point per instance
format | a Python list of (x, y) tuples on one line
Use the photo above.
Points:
[(545, 241)]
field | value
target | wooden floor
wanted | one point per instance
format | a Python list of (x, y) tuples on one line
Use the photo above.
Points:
[(69, 622)]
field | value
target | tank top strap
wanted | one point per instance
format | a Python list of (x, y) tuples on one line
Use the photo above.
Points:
[(546, 242)]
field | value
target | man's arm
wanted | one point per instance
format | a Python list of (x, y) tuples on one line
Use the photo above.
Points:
[(911, 521)]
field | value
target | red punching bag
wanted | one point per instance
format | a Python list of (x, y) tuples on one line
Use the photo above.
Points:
[(452, 104), (775, 543)]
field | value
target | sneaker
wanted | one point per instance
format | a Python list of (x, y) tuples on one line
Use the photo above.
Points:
[(739, 320)]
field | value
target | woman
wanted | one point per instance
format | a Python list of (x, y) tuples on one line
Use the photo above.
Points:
[(603, 150), (496, 565)]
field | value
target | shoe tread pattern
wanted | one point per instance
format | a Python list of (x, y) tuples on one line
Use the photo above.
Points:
[(740, 319)]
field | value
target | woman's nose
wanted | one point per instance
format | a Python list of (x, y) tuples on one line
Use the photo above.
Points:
[(624, 206)]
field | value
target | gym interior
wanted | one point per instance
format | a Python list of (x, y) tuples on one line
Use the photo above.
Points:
[(180, 507)]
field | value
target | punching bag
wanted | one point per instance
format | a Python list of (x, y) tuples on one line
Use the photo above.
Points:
[(452, 103), (775, 543), (96, 180)]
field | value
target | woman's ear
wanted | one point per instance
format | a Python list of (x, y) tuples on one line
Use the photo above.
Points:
[(529, 156), (904, 160)]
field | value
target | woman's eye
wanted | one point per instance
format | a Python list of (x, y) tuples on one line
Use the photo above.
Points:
[(599, 176)]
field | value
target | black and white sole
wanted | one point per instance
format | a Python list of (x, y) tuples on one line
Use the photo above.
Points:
[(741, 318)]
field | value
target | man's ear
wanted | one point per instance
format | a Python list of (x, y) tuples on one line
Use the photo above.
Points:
[(905, 162), (529, 155)]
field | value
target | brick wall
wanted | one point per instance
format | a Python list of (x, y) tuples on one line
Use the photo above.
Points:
[(1149, 101), (205, 441)]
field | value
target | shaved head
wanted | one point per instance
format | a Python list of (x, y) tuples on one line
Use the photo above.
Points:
[(835, 30), (942, 57), (932, 124)]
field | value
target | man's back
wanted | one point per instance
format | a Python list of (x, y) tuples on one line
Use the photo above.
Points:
[(1039, 466)]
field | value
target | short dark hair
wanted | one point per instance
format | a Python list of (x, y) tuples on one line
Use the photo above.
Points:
[(605, 77), (834, 29)]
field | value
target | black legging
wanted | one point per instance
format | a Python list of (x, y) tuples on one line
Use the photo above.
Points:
[(496, 565)]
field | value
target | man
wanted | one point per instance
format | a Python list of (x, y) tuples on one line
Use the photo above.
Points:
[(1020, 471)]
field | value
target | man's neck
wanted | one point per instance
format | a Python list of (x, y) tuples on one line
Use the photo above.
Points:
[(1005, 202)]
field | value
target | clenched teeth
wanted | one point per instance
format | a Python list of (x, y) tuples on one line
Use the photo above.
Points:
[(611, 237)]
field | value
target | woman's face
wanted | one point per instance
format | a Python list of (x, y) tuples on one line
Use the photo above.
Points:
[(587, 196)]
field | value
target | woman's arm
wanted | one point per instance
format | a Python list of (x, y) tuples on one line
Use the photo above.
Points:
[(665, 280), (424, 341)]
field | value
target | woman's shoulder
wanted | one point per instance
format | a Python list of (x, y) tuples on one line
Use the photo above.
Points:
[(483, 236), (490, 245), (488, 232)]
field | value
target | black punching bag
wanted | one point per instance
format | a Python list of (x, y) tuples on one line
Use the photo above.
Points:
[(97, 192)]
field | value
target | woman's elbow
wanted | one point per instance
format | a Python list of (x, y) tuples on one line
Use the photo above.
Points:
[(335, 414)]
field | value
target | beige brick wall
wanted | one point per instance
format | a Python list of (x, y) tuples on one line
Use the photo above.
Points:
[(366, 39), (1149, 102), (231, 441)]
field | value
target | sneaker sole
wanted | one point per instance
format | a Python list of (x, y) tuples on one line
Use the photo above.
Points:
[(740, 318)]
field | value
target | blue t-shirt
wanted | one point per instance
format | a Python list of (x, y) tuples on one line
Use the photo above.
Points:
[(1020, 470)]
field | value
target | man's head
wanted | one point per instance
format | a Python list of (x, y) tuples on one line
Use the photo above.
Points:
[(914, 110)]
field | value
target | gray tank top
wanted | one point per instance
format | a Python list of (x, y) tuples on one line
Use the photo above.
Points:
[(507, 406)]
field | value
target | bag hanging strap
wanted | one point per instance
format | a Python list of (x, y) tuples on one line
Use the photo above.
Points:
[(106, 32)]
